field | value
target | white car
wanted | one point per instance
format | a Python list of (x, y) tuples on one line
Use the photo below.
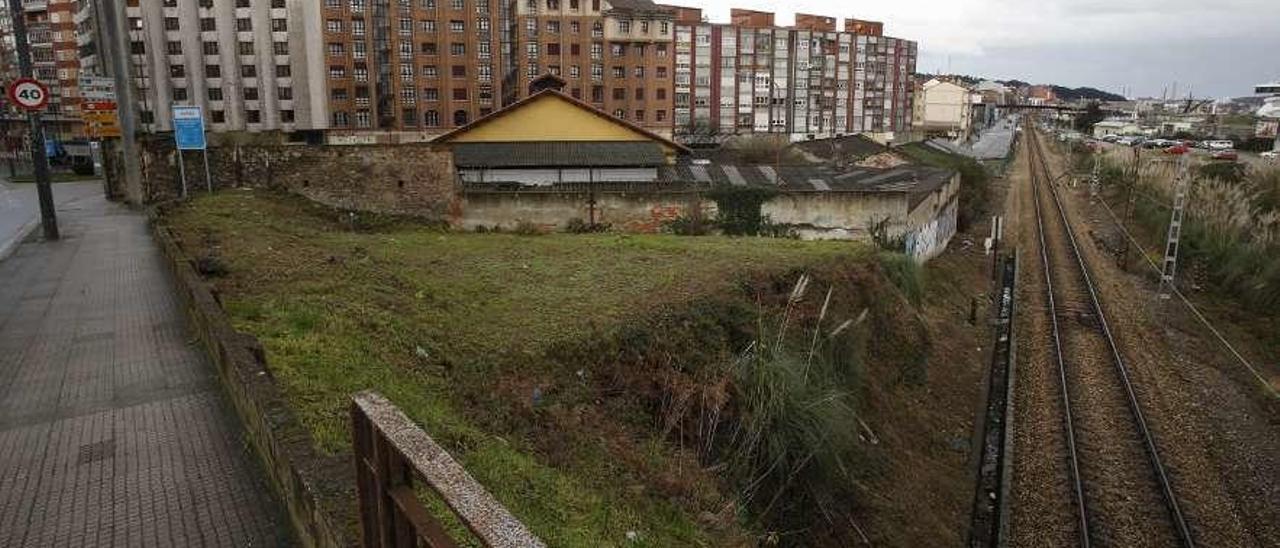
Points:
[(1221, 145), (1270, 155)]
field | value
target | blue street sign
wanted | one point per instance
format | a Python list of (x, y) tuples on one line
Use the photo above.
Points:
[(188, 128)]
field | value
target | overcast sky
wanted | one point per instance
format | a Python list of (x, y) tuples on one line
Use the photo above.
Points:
[(1220, 48)]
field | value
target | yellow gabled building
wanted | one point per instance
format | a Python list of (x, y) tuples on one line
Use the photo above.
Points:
[(549, 138)]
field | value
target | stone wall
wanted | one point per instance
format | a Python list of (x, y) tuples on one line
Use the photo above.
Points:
[(413, 179), (317, 491), (640, 211)]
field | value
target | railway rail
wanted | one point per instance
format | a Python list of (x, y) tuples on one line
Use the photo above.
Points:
[(1122, 493)]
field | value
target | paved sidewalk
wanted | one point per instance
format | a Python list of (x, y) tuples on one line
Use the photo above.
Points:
[(113, 429)]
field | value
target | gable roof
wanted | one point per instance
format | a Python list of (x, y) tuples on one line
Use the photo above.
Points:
[(551, 93), (550, 154)]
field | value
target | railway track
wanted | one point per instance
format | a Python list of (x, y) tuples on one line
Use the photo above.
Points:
[(1122, 494)]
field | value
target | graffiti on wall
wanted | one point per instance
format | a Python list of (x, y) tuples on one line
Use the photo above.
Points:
[(929, 240)]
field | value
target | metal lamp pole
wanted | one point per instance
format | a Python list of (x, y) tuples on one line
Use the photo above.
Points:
[(39, 160)]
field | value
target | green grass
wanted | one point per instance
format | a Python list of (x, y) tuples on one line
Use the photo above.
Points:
[(462, 331)]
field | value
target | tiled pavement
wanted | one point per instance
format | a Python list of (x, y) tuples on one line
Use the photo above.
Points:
[(113, 431)]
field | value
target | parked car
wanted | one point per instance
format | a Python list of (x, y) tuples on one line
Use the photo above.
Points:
[(1228, 155), (1177, 149), (1270, 155), (1220, 145), (1111, 138)]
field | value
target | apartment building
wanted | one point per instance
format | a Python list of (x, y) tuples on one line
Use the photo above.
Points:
[(615, 55), (54, 58), (805, 81), (253, 65), (410, 65)]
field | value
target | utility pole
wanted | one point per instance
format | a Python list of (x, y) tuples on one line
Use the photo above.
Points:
[(1181, 191), (39, 160), (116, 50)]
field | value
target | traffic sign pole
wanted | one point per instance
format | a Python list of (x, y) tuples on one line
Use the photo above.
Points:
[(39, 158)]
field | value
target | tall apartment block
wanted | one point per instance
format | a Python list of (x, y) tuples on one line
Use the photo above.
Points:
[(253, 65), (51, 31), (406, 65), (614, 54), (805, 81)]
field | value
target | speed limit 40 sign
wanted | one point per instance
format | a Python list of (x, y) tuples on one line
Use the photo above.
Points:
[(28, 94)]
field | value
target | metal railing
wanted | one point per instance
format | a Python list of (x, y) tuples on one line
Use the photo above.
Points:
[(391, 455)]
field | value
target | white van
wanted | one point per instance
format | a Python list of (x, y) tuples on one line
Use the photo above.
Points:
[(1221, 145)]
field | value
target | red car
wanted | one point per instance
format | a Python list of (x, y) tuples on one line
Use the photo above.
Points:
[(1177, 149), (1229, 155)]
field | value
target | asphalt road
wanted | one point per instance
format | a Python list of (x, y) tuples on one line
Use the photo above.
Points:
[(20, 207)]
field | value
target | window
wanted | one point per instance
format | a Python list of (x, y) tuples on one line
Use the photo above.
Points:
[(179, 94), (639, 94), (660, 116), (246, 48), (406, 72), (460, 118), (409, 96), (575, 49), (250, 94), (218, 116), (208, 24), (410, 116), (213, 71), (554, 70), (283, 71), (664, 27), (597, 50), (428, 48), (286, 116), (639, 71), (279, 25), (244, 24), (284, 93), (429, 25), (358, 50), (624, 27), (662, 72), (662, 50), (482, 24), (177, 71), (338, 72), (248, 71), (573, 4), (553, 49), (617, 50), (575, 27), (430, 71), (620, 114), (339, 94), (331, 25), (459, 94), (210, 48), (428, 4), (341, 119), (553, 27), (431, 94), (644, 27), (457, 26), (482, 50), (173, 47), (484, 73), (215, 94), (406, 49), (619, 94), (531, 50), (662, 94), (362, 118), (253, 116), (456, 4), (574, 71), (639, 115), (459, 71), (170, 23), (597, 94), (431, 118), (597, 72), (457, 48), (406, 27), (280, 48), (361, 74), (336, 49), (619, 72)]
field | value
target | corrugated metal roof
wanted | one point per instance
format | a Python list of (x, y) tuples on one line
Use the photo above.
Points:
[(558, 154)]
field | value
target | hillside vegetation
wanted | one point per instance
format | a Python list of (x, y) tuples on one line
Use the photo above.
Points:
[(613, 389)]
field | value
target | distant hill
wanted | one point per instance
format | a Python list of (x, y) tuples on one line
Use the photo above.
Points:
[(1085, 94), (1063, 93)]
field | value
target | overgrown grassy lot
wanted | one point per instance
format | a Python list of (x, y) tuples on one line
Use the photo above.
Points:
[(549, 365)]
